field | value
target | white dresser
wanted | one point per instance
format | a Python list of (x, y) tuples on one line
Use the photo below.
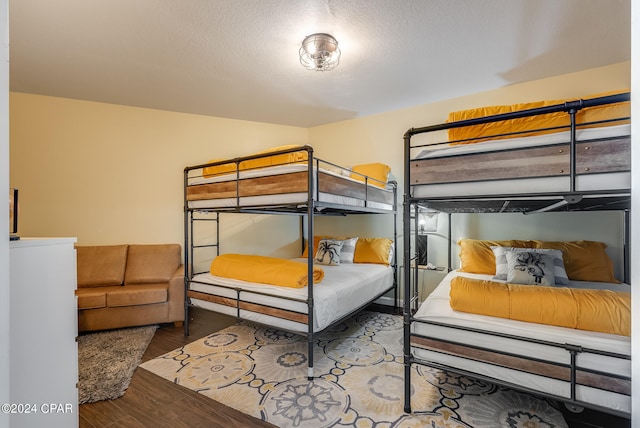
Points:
[(43, 329)]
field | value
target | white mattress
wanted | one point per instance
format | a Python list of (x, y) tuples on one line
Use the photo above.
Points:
[(343, 288), (584, 183), (280, 199), (437, 308), (526, 186)]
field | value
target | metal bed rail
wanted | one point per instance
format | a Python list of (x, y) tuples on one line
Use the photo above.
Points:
[(620, 384)]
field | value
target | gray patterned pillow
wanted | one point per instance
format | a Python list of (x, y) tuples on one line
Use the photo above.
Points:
[(559, 272), (348, 250), (328, 252), (529, 267)]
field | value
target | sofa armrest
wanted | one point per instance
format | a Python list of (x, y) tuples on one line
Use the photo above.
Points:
[(178, 275), (176, 295)]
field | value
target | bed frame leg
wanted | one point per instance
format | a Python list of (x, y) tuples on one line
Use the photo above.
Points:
[(407, 388), (186, 319), (310, 357), (408, 357)]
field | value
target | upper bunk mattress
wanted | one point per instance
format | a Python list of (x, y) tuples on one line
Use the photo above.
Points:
[(527, 165)]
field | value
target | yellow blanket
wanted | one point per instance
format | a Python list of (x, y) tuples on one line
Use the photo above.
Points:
[(265, 270), (535, 123), (274, 160), (594, 310)]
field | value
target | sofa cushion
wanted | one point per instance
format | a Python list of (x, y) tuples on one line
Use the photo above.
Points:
[(138, 294), (152, 263), (96, 297), (100, 265)]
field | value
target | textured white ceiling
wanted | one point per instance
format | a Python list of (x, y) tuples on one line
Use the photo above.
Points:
[(239, 58)]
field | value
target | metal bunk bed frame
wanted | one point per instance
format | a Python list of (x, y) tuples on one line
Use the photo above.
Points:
[(615, 199), (314, 207)]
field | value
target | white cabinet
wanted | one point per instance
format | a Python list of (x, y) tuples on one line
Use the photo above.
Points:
[(43, 353)]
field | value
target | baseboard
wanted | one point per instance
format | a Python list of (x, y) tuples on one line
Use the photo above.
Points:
[(385, 305), (388, 301)]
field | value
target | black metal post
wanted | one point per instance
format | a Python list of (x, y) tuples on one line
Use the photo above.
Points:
[(407, 277), (310, 256)]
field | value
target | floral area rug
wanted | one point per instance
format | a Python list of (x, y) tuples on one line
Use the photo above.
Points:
[(358, 380)]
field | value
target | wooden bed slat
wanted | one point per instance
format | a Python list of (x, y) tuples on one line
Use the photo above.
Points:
[(597, 156), (520, 163), (603, 156), (270, 185), (513, 362), (253, 307), (340, 186), (621, 386), (295, 182), (551, 370)]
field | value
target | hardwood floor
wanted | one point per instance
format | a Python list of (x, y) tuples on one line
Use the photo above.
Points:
[(592, 419), (151, 401)]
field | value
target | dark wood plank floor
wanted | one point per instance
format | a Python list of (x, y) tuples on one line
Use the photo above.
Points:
[(592, 419), (151, 401)]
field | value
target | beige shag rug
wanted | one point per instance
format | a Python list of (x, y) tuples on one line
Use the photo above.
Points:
[(107, 360), (359, 380)]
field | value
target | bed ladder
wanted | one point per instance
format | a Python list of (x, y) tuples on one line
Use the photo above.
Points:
[(193, 217)]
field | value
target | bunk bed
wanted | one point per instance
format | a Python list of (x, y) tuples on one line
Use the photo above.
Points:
[(289, 180), (549, 156)]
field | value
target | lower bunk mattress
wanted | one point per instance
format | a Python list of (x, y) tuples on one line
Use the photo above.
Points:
[(536, 357), (344, 288)]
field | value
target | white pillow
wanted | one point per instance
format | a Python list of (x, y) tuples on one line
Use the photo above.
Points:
[(530, 268), (559, 272), (328, 252), (348, 250)]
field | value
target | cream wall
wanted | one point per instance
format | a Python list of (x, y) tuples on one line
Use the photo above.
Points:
[(114, 174)]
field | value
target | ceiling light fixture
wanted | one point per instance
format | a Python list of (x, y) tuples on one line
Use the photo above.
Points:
[(319, 52)]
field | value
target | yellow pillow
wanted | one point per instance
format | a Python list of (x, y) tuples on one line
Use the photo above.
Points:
[(476, 256), (281, 159), (584, 260), (378, 171), (373, 250), (285, 158)]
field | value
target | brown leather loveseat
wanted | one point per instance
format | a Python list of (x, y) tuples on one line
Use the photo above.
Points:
[(129, 285)]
